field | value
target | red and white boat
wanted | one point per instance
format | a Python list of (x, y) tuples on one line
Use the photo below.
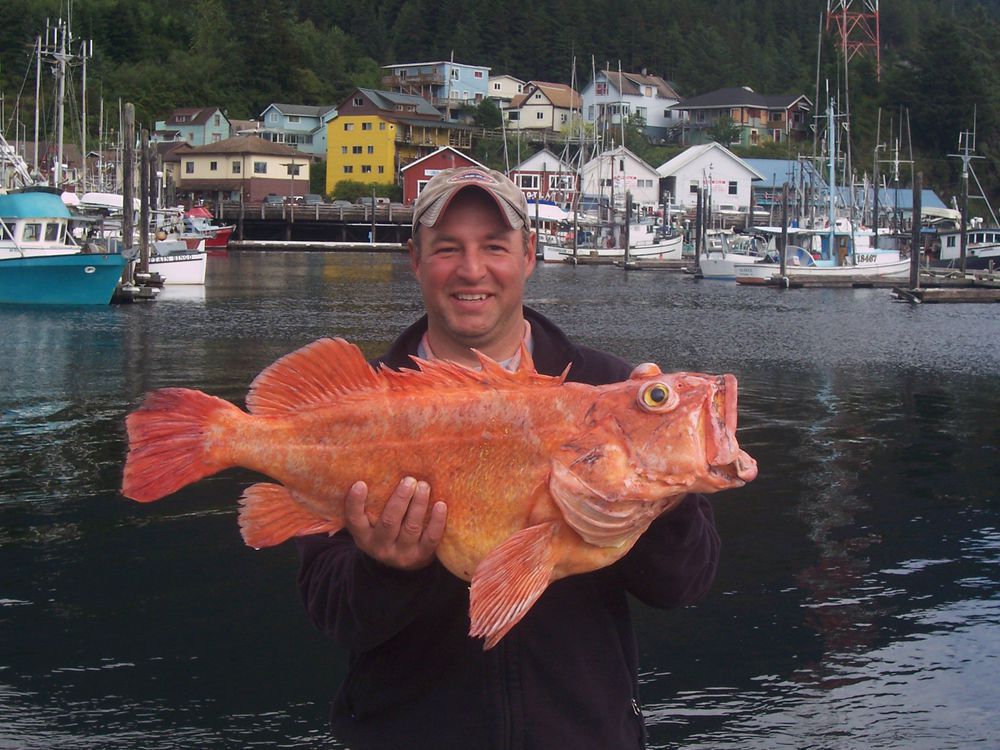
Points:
[(198, 226)]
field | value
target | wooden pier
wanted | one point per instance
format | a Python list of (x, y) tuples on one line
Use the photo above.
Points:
[(939, 285), (355, 247)]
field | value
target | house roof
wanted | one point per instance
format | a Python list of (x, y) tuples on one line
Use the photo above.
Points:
[(543, 153), (246, 144), (741, 96), (193, 115), (300, 110), (559, 95), (631, 83), (687, 156), (387, 101), (505, 75), (621, 151), (440, 150), (435, 62)]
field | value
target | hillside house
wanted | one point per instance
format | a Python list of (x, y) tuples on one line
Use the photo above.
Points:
[(544, 175), (297, 125), (444, 84), (609, 175), (243, 164), (727, 178), (196, 126), (612, 96), (542, 106), (758, 118), (418, 173), (375, 133), (503, 88)]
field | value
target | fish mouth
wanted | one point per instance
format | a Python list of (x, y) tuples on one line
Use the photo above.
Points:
[(736, 473)]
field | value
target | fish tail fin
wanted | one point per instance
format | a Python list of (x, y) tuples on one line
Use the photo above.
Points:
[(166, 438), (269, 514), (509, 580)]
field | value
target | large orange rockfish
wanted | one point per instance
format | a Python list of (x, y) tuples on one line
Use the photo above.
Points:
[(542, 478)]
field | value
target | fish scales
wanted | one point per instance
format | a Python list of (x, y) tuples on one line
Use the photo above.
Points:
[(542, 478)]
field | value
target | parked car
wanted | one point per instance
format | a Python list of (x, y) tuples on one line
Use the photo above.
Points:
[(311, 199), (273, 200), (366, 200), (342, 204)]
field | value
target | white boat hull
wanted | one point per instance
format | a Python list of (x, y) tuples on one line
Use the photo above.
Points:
[(723, 265), (669, 249), (187, 267), (761, 273)]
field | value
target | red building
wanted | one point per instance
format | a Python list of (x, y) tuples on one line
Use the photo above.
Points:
[(417, 173)]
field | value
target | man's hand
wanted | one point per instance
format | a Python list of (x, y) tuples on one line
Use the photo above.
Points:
[(398, 538)]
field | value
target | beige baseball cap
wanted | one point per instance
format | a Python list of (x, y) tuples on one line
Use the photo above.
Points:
[(446, 184)]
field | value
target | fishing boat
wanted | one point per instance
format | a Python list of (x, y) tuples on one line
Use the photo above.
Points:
[(198, 222), (838, 250), (41, 264), (601, 244), (176, 262), (982, 248), (723, 251)]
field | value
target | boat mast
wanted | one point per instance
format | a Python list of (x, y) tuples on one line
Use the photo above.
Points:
[(832, 151)]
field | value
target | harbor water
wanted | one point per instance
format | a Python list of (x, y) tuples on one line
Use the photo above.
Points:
[(857, 603)]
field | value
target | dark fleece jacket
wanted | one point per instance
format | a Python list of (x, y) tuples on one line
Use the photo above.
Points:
[(564, 677)]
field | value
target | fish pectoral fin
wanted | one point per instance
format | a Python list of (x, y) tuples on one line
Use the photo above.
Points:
[(599, 520), (509, 580), (269, 515)]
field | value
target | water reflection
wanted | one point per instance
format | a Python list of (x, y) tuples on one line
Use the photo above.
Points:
[(856, 604)]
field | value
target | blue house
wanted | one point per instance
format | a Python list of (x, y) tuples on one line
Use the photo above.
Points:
[(297, 125), (196, 126), (446, 85)]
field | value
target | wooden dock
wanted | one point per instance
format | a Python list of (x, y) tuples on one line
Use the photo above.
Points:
[(681, 266), (351, 247), (939, 286)]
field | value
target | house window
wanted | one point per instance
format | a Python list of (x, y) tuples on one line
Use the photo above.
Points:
[(700, 117), (381, 126), (274, 117), (601, 88), (293, 169), (348, 126), (496, 86), (357, 101), (776, 117), (189, 167), (649, 91), (348, 169), (694, 187), (236, 167), (539, 115), (477, 74), (218, 120), (366, 169), (527, 181), (213, 166), (293, 118), (667, 114), (732, 187), (563, 117), (951, 242), (381, 169), (260, 167), (357, 149), (590, 112), (641, 111), (514, 116), (537, 96), (371, 149), (343, 149), (182, 118), (366, 126), (454, 74)]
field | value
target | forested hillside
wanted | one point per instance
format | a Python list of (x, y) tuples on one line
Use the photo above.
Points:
[(939, 57)]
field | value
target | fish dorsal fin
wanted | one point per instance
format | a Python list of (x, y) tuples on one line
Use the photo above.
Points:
[(315, 374), (328, 369)]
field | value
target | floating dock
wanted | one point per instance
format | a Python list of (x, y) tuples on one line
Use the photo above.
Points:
[(351, 247)]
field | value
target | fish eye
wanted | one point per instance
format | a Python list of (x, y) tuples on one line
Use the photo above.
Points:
[(657, 397)]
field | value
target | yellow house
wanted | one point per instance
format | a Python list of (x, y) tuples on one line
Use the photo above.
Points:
[(376, 132)]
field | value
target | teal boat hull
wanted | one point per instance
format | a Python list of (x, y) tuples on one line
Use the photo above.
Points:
[(71, 279)]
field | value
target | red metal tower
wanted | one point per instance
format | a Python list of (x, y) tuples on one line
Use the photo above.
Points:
[(857, 26)]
